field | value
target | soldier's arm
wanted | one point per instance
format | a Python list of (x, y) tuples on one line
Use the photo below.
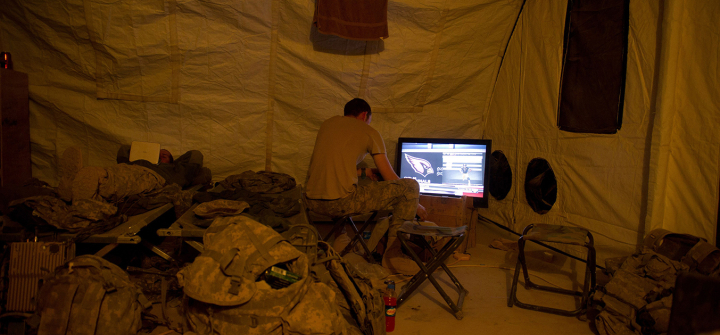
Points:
[(370, 173), (383, 165)]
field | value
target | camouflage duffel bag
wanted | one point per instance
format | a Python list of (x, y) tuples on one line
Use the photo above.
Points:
[(90, 295), (250, 280)]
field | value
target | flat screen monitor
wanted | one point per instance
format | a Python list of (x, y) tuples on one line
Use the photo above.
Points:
[(446, 167)]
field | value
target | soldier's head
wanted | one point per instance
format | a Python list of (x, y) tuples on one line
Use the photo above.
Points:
[(165, 156), (359, 109)]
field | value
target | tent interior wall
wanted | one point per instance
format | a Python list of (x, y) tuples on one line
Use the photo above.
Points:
[(248, 83)]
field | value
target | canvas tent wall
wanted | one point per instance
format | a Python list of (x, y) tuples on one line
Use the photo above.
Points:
[(249, 82), (660, 170)]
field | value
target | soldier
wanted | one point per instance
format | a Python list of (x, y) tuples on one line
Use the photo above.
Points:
[(332, 183), (187, 170)]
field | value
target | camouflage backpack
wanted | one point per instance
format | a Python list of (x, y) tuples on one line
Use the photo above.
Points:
[(228, 292), (89, 295)]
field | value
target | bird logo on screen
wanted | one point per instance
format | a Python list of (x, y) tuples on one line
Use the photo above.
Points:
[(421, 166)]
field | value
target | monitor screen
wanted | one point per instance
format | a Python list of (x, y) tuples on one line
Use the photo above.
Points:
[(446, 167)]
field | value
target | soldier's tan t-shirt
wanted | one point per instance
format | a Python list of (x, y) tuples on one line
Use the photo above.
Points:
[(341, 144)]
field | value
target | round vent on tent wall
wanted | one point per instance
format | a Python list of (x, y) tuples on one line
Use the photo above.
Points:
[(540, 186), (500, 175)]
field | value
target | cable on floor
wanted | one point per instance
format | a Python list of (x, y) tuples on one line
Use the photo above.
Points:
[(503, 268)]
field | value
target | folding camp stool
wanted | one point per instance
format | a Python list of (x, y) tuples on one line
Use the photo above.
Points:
[(557, 234), (340, 222), (457, 236)]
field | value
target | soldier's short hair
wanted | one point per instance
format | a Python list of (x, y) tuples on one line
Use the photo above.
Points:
[(356, 106)]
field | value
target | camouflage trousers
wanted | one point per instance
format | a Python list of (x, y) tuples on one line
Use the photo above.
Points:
[(114, 182), (401, 196)]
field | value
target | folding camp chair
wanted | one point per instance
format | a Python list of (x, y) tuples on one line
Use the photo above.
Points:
[(557, 234), (339, 223), (456, 235)]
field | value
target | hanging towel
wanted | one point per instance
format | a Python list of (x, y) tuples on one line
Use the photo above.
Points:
[(358, 20)]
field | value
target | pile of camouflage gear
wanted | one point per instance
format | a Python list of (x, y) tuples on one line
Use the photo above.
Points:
[(228, 290), (259, 182), (268, 197), (228, 287), (638, 298)]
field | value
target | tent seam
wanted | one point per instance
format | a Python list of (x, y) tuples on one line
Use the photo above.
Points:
[(271, 86)]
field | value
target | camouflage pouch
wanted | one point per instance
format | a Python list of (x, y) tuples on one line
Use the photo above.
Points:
[(226, 294), (89, 295), (304, 237), (220, 207), (631, 288), (611, 324), (659, 313), (616, 317), (703, 257), (365, 302), (670, 244)]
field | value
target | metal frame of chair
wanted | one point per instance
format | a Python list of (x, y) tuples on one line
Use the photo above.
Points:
[(339, 224), (588, 284), (426, 269)]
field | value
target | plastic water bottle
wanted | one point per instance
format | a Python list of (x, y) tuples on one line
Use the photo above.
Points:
[(390, 306)]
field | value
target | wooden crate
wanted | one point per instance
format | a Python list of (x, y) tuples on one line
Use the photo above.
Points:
[(452, 212)]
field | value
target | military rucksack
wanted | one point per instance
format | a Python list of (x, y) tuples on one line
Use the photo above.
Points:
[(228, 292), (89, 295)]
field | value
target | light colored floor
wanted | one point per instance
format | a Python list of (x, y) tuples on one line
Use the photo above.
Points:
[(488, 277)]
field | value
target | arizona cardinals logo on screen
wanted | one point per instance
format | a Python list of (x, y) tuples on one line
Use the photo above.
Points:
[(420, 165)]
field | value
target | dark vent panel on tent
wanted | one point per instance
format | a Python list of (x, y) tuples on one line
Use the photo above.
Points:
[(592, 86), (540, 186), (500, 175)]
